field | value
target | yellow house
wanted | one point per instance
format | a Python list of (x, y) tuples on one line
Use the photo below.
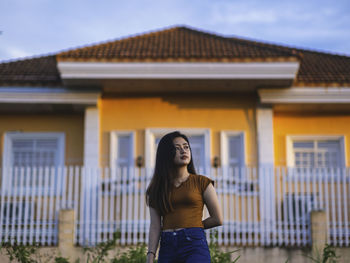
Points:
[(250, 109)]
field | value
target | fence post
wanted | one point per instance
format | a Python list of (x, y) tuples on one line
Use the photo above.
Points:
[(319, 230), (66, 233)]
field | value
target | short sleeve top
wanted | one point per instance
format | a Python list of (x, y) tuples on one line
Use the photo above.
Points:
[(187, 202)]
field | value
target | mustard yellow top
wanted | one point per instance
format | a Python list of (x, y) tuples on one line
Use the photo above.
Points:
[(187, 202)]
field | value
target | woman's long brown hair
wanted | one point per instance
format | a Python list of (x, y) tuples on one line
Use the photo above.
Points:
[(158, 191)]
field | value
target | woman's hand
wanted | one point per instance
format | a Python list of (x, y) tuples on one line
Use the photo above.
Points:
[(154, 234), (150, 258), (213, 206)]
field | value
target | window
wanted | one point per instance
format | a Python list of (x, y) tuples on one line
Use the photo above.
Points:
[(235, 151), (232, 149), (199, 141), (316, 152), (122, 149), (31, 150), (34, 149), (233, 159)]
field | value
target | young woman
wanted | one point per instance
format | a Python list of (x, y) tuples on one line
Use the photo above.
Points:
[(176, 197)]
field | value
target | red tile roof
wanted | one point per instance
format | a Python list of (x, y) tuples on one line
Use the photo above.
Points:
[(40, 71), (182, 44), (175, 44), (316, 68)]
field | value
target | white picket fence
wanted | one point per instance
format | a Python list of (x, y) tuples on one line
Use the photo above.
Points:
[(262, 207)]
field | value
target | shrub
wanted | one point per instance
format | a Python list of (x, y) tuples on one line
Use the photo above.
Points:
[(328, 255), (19, 252), (133, 255), (216, 255)]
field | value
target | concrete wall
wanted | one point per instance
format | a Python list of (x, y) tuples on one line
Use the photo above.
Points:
[(247, 254)]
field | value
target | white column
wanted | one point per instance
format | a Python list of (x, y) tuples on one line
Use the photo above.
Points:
[(91, 162), (264, 118), (91, 137)]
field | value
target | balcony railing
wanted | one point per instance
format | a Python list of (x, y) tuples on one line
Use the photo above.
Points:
[(261, 206)]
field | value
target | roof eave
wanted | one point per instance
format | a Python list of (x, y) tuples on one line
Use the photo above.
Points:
[(47, 95), (295, 95), (166, 70)]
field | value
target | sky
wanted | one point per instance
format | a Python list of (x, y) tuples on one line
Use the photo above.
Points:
[(39, 27)]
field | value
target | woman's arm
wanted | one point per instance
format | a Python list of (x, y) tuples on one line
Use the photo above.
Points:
[(212, 203), (154, 233)]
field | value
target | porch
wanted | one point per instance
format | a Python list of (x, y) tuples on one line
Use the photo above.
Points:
[(265, 206)]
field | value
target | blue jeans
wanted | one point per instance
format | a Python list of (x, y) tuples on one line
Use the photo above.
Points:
[(185, 245)]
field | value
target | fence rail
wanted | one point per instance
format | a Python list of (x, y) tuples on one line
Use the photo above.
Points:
[(261, 206)]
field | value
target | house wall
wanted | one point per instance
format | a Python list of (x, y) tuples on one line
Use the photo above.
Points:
[(216, 112), (72, 125), (308, 123)]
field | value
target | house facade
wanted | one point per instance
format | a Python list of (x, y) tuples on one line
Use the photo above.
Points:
[(249, 108)]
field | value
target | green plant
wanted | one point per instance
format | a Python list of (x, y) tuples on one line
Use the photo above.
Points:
[(216, 255), (61, 260), (328, 255), (98, 253), (133, 255), (21, 253)]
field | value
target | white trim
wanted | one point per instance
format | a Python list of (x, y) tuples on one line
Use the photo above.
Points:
[(92, 137), (151, 133), (114, 146), (10, 136), (224, 146), (265, 142), (291, 138), (165, 70), (305, 95), (46, 95)]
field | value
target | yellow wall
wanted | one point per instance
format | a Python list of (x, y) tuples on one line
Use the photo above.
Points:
[(225, 112), (308, 124), (71, 125)]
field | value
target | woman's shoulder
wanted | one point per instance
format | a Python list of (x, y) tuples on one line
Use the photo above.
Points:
[(200, 176), (202, 179)]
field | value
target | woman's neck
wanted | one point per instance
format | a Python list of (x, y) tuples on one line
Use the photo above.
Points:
[(181, 172)]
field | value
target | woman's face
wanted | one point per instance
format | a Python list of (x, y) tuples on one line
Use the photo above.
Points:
[(183, 152)]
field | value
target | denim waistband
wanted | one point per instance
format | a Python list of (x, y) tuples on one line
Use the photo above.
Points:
[(183, 231), (172, 230)]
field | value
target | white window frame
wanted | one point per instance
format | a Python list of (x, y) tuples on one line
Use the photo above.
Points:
[(152, 133), (7, 153), (114, 146), (10, 136), (224, 146), (292, 138)]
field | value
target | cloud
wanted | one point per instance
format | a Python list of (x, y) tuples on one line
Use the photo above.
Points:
[(42, 26), (16, 52), (316, 25), (248, 17)]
